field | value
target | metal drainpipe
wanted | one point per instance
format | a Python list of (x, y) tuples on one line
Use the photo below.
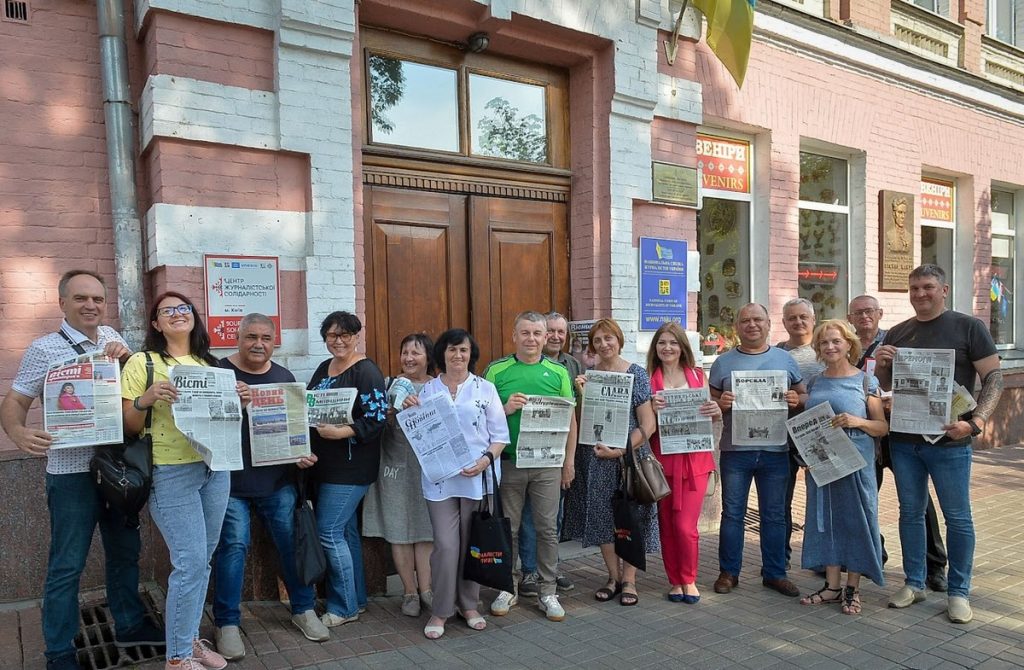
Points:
[(124, 204)]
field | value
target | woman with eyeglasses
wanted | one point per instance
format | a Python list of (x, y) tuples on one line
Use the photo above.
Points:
[(348, 460), (188, 500)]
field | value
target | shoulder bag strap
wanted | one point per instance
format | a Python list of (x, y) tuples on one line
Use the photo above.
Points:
[(74, 345), (149, 382), (499, 511)]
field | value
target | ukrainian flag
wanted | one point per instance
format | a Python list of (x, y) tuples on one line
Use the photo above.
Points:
[(730, 29)]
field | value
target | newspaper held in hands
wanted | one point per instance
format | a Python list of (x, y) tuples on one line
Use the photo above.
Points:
[(681, 427), (922, 390), (543, 431), (963, 402), (435, 435), (759, 410), (607, 402), (82, 402), (209, 413), (278, 430), (331, 406), (827, 450)]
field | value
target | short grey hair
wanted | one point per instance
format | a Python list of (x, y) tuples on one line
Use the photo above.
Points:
[(798, 301), (256, 319), (531, 316), (863, 297), (62, 285), (553, 316)]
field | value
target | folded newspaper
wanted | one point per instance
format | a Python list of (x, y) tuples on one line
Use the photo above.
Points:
[(607, 403), (827, 450), (209, 413), (963, 402), (435, 435), (922, 390), (682, 429), (331, 406), (82, 402), (278, 423), (543, 431)]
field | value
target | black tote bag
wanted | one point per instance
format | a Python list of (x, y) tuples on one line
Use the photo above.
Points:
[(629, 528), (310, 561), (488, 559)]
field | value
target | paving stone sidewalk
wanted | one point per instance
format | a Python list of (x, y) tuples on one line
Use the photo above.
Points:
[(751, 628)]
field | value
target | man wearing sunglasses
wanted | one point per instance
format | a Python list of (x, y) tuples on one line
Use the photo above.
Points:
[(74, 505)]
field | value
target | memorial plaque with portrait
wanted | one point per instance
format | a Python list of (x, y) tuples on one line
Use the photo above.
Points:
[(896, 240)]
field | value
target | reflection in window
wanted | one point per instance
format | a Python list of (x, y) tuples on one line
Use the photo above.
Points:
[(937, 249), (823, 268), (723, 237), (413, 105), (1001, 272), (507, 119)]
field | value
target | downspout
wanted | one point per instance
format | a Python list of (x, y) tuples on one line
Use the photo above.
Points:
[(124, 203)]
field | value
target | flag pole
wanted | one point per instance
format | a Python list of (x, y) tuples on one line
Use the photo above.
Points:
[(673, 47)]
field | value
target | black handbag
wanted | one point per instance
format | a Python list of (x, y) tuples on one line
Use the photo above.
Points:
[(628, 522), (488, 560), (123, 473), (310, 560)]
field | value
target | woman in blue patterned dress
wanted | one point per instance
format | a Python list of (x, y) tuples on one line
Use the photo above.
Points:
[(841, 526), (588, 509)]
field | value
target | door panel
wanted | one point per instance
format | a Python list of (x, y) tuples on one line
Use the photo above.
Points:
[(416, 274)]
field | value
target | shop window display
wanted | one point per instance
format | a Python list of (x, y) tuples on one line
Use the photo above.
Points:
[(823, 266), (723, 237), (1002, 270)]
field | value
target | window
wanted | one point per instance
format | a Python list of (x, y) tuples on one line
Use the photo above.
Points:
[(413, 105), (723, 235), (937, 6), (937, 207), (823, 271), (1002, 271), (1006, 21)]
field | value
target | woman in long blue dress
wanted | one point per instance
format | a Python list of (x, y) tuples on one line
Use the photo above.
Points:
[(841, 526)]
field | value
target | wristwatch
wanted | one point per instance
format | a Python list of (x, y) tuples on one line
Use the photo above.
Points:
[(975, 430)]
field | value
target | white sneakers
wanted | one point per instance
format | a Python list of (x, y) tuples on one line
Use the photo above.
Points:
[(311, 626), (958, 609), (332, 620), (229, 642), (551, 607), (503, 603)]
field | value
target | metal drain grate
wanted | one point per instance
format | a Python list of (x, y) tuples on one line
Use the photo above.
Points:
[(752, 522), (95, 639)]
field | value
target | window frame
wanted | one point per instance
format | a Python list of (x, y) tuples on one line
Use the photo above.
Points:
[(991, 26), (951, 271), (815, 149), (1016, 247)]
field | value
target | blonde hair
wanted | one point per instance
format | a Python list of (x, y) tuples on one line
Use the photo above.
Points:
[(611, 327), (686, 359), (845, 330)]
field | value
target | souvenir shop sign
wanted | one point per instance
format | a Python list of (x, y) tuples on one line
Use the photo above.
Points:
[(662, 282), (724, 164), (236, 286), (937, 200)]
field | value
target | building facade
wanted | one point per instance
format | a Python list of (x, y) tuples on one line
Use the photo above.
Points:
[(428, 164)]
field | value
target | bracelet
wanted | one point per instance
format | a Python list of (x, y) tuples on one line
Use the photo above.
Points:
[(137, 406)]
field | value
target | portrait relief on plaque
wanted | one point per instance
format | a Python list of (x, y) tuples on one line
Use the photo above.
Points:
[(896, 240)]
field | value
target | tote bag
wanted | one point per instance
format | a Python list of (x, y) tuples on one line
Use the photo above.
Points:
[(488, 559), (310, 561)]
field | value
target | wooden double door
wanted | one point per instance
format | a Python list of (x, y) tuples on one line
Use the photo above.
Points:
[(441, 260)]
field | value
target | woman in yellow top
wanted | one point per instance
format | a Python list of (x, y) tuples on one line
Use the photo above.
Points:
[(188, 500)]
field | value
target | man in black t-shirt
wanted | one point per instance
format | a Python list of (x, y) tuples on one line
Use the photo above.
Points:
[(270, 491), (947, 462)]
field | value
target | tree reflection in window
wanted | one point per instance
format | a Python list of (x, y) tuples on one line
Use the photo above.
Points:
[(506, 134), (387, 86)]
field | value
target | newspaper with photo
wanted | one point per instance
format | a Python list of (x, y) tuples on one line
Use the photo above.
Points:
[(209, 413), (922, 390), (331, 406), (963, 402), (759, 410), (607, 402), (827, 450), (278, 427), (82, 402), (433, 431), (681, 427), (543, 431)]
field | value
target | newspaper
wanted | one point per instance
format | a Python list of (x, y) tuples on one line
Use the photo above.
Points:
[(543, 431), (922, 390), (607, 402), (209, 413), (82, 402), (278, 430), (963, 402), (681, 426), (827, 450), (759, 411), (436, 437), (331, 406)]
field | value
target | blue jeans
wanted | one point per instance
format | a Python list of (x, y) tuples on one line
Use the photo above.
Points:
[(188, 504), (950, 471), (339, 534), (528, 535), (771, 472), (277, 512), (75, 509)]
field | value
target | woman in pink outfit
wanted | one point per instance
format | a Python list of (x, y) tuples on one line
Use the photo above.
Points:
[(671, 365), (67, 400)]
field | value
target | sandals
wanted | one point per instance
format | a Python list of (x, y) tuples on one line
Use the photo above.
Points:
[(628, 599), (475, 622), (818, 597), (608, 591), (433, 631), (851, 601)]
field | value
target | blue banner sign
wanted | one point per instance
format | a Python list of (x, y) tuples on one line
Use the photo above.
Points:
[(662, 282)]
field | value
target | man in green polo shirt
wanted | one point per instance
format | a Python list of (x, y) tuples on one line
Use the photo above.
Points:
[(524, 373)]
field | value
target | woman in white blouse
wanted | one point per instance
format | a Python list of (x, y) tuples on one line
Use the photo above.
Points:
[(452, 501)]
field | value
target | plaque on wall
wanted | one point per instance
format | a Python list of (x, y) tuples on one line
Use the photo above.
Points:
[(896, 240), (675, 184)]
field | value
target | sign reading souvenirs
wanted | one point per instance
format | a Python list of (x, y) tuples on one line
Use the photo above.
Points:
[(675, 184), (724, 164), (662, 282), (896, 240), (937, 200), (236, 286)]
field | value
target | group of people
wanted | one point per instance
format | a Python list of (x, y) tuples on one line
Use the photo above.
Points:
[(204, 516)]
